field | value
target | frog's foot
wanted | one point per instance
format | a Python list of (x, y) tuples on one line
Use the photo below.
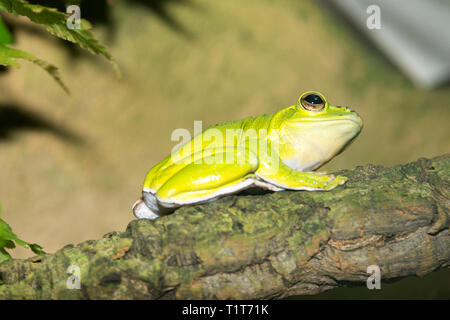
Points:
[(141, 211), (287, 178)]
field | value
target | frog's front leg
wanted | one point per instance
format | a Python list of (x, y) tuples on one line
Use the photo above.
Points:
[(283, 176)]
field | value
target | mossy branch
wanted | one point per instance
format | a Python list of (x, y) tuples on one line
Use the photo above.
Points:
[(261, 246)]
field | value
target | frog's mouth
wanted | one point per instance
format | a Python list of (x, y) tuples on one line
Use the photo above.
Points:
[(354, 119)]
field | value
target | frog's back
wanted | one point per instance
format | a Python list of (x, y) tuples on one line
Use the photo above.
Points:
[(261, 121), (214, 137)]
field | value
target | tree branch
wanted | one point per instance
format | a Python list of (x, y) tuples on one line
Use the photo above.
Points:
[(261, 246)]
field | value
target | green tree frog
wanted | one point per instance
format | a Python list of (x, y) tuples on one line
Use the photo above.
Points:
[(278, 151)]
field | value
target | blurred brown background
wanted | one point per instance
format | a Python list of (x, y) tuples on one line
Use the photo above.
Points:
[(72, 166)]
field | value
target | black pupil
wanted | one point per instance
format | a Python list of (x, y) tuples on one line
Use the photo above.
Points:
[(313, 99)]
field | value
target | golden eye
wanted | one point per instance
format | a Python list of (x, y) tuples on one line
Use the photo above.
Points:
[(312, 102)]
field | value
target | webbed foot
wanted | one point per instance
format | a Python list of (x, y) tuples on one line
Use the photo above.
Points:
[(141, 211)]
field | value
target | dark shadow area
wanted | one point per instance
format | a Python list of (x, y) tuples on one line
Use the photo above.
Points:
[(435, 285), (14, 119), (254, 192)]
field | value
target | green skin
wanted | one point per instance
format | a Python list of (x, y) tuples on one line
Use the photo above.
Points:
[(276, 151)]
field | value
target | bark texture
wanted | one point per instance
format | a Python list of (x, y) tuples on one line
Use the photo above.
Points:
[(261, 246)]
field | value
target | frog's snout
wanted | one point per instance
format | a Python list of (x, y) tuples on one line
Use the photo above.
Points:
[(355, 117), (348, 109), (358, 119)]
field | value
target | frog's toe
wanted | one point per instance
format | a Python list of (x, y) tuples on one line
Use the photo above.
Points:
[(141, 211), (341, 179), (336, 181)]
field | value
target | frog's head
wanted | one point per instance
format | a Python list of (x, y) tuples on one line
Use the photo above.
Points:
[(317, 131)]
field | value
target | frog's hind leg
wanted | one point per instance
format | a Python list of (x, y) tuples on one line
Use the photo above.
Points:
[(209, 180), (152, 208), (208, 195)]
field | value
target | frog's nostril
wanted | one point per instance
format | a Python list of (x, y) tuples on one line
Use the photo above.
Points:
[(345, 108)]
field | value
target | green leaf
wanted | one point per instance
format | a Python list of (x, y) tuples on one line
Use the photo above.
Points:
[(5, 35), (7, 239), (36, 248), (55, 23), (9, 56)]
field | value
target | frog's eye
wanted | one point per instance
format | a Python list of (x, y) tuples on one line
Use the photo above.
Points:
[(312, 102)]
